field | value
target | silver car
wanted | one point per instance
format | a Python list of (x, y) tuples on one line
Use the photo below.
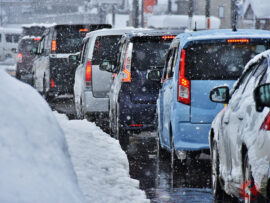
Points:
[(240, 135), (92, 83)]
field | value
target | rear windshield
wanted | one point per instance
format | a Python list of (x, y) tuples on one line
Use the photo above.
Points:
[(220, 61), (69, 38), (26, 46), (149, 54), (106, 48), (33, 31)]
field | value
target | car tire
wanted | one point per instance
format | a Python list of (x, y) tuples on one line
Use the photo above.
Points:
[(254, 198), (218, 193), (121, 134)]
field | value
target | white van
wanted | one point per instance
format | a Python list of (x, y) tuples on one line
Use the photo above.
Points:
[(9, 38)]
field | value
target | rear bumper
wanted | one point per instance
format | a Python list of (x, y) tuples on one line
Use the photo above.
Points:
[(191, 137), (95, 105)]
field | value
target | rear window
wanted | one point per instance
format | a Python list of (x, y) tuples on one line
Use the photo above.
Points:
[(12, 38), (33, 31), (149, 53), (106, 47), (220, 61), (26, 46)]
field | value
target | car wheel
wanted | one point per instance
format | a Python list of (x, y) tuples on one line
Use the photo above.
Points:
[(160, 151), (218, 193), (251, 191), (121, 134)]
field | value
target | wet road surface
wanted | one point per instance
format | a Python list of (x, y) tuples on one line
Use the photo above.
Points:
[(187, 183)]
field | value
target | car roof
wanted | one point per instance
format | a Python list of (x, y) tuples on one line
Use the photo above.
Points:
[(223, 34), (152, 32), (106, 31)]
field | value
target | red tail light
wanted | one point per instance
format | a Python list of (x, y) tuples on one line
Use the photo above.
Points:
[(266, 123), (183, 88), (36, 39), (238, 40), (52, 83), (136, 125), (165, 37), (88, 74), (19, 57), (53, 45)]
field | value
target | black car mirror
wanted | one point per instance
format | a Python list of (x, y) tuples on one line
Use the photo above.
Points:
[(262, 96), (74, 59), (220, 95), (106, 66), (154, 75)]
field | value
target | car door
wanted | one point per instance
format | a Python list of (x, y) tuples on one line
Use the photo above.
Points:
[(168, 95), (231, 122)]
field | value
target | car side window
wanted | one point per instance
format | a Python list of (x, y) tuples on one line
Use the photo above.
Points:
[(168, 63), (84, 51), (175, 56)]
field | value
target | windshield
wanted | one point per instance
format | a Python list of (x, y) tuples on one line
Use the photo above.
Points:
[(26, 46), (220, 61), (106, 48), (149, 54)]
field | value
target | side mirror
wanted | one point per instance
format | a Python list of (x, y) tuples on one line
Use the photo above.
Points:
[(261, 96), (154, 75), (220, 95), (74, 59), (34, 51), (106, 66)]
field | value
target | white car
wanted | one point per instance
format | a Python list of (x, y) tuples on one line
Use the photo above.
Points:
[(240, 135), (92, 83)]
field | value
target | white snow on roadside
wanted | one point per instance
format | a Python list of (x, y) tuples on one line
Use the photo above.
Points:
[(35, 165), (101, 165)]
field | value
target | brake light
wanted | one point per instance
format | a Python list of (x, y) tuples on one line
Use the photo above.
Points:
[(136, 125), (183, 88), (266, 123), (52, 83), (83, 30), (36, 39), (53, 45), (127, 64), (88, 74), (238, 40), (19, 57), (165, 37)]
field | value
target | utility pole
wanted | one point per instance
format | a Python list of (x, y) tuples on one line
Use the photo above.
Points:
[(234, 15), (142, 14), (135, 13), (190, 14), (207, 14), (169, 6)]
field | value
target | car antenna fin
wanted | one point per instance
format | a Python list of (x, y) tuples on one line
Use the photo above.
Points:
[(195, 27)]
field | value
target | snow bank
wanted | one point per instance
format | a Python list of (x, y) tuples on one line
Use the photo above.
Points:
[(34, 160), (101, 166)]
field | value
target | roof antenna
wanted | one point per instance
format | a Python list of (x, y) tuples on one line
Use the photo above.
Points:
[(234, 29), (195, 28)]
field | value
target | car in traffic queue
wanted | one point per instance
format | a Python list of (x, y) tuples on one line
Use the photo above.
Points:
[(239, 137), (132, 95), (197, 62), (25, 58), (53, 75), (92, 84)]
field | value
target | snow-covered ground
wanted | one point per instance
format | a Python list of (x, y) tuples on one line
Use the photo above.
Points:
[(100, 164), (35, 165)]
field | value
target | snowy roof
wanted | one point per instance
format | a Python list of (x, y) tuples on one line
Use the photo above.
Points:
[(181, 21), (10, 30), (106, 31), (30, 37), (227, 33), (261, 8), (38, 25)]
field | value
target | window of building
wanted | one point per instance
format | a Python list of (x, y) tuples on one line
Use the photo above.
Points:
[(221, 11)]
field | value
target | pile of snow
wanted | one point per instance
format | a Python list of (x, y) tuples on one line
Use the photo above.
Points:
[(102, 167), (181, 21), (34, 158)]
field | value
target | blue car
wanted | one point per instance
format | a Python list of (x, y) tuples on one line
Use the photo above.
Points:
[(195, 64)]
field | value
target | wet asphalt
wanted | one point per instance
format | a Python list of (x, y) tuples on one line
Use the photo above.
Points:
[(188, 182)]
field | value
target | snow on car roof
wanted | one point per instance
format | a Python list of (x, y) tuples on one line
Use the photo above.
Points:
[(30, 37), (107, 31), (38, 25), (225, 34)]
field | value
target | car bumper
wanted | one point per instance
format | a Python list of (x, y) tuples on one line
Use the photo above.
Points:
[(191, 137), (95, 105)]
